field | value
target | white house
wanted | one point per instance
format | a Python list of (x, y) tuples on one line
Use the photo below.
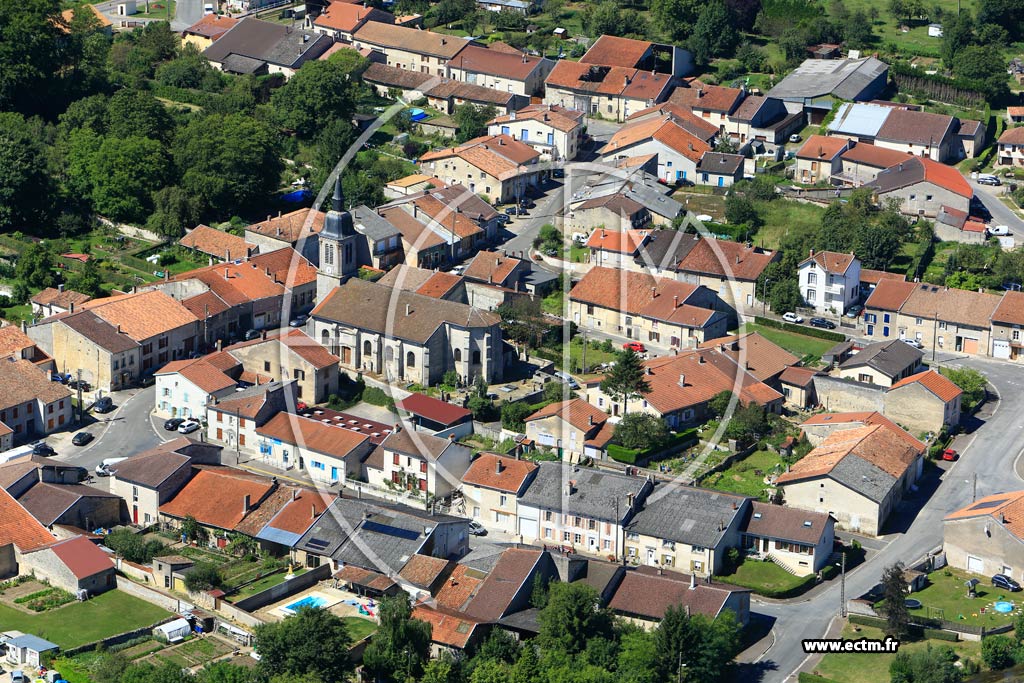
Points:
[(421, 463), (328, 453), (552, 130), (185, 387), (830, 281)]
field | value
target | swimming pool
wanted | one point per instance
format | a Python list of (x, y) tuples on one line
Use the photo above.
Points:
[(1003, 607), (308, 601)]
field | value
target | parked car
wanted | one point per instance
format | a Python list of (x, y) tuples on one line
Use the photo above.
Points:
[(503, 218), (81, 438), (188, 426), (558, 173), (299, 320), (61, 377), (173, 424), (791, 317), (103, 405), (854, 311), (567, 378), (477, 529), (251, 334), (44, 449), (1005, 582), (635, 346), (458, 270), (76, 384), (527, 203), (950, 454), (988, 179), (822, 323), (511, 211), (914, 342), (795, 137), (147, 381)]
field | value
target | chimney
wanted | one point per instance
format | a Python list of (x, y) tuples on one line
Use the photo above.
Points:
[(647, 370), (590, 420), (675, 301), (227, 274), (219, 344), (295, 494), (570, 487), (398, 428), (245, 504), (60, 288), (654, 292), (682, 379), (693, 586), (408, 309), (812, 251), (700, 93), (72, 309), (119, 328), (444, 41), (498, 467), (312, 511)]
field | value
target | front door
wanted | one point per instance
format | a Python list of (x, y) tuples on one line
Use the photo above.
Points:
[(135, 514)]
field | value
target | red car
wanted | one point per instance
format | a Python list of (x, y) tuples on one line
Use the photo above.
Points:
[(634, 346), (950, 455)]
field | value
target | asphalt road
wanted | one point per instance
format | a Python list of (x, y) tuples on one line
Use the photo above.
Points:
[(991, 453), (187, 12), (1001, 213), (122, 433)]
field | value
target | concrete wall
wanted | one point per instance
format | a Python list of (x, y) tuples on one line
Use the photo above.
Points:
[(948, 233), (151, 596), (285, 588), (925, 199), (919, 410), (93, 512)]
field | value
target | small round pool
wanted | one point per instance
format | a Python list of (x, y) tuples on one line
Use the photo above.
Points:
[(417, 114), (912, 603), (1003, 607)]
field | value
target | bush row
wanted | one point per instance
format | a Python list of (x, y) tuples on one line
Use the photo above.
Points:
[(630, 456), (805, 584), (801, 329), (805, 677)]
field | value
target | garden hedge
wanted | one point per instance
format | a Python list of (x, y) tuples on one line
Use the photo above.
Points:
[(805, 677), (938, 634), (807, 330)]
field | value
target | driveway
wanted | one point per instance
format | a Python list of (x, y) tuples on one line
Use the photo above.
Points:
[(187, 12), (989, 455)]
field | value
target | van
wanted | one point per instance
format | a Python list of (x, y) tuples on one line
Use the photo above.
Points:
[(999, 230), (567, 378), (104, 468), (17, 676)]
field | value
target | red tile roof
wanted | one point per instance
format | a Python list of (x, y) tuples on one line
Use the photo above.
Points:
[(215, 497), (1010, 310), (831, 261), (217, 243), (211, 26), (614, 51), (874, 156), (761, 357), (438, 285), (292, 226), (447, 628), (1012, 136), (423, 570), (889, 295), (459, 587), (1007, 509), (19, 527), (492, 267), (715, 98), (576, 411), (666, 130), (721, 258), (344, 16), (641, 294), (313, 435), (81, 557), (499, 472), (705, 130), (484, 60), (433, 409), (873, 277), (933, 382), (624, 242), (509, 574), (51, 296), (646, 594), (882, 444), (822, 147)]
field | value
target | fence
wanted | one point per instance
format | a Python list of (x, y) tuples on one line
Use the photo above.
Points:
[(284, 589), (116, 640)]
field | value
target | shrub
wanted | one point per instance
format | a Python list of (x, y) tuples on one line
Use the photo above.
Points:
[(378, 397), (812, 678), (807, 331), (202, 577), (939, 634), (622, 454), (513, 415), (997, 652)]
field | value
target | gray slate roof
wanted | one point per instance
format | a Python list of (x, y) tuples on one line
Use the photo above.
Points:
[(268, 42), (666, 248), (863, 477), (844, 78), (688, 515), (368, 222), (891, 357), (654, 200), (594, 494)]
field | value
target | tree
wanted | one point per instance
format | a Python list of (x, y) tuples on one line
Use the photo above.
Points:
[(319, 92), (676, 17), (877, 246), (641, 430), (30, 54), (894, 590), (784, 295), (401, 646), (25, 184), (450, 11), (741, 211), (443, 669), (193, 530), (714, 34), (957, 33), (572, 616), (752, 58), (123, 174), (984, 65), (134, 113), (203, 576), (472, 120), (719, 403), (747, 423), (701, 646), (625, 380), (523, 322), (931, 665), (1006, 13), (147, 673), (513, 416), (230, 162), (636, 653), (88, 279), (507, 19), (971, 382), (225, 672), (997, 652), (174, 210), (858, 31), (35, 266), (744, 12), (189, 70), (314, 641)]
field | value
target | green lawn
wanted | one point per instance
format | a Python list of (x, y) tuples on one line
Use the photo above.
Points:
[(743, 477), (797, 344), (698, 203), (359, 628), (763, 576), (263, 584), (782, 216), (16, 314), (158, 9), (874, 667), (946, 598), (105, 615)]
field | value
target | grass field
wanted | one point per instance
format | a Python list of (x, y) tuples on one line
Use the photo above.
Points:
[(105, 615), (784, 216), (874, 667), (765, 576), (797, 344), (263, 584), (945, 597), (743, 477), (359, 628)]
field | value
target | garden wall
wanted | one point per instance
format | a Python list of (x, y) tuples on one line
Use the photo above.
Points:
[(284, 589), (118, 639), (241, 616), (151, 596)]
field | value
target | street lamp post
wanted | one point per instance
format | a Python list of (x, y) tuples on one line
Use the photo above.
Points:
[(842, 586), (764, 297)]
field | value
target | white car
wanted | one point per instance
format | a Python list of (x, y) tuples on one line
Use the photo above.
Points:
[(999, 230), (791, 317), (914, 342), (189, 426)]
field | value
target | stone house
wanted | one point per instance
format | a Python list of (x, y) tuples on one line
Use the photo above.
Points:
[(233, 422), (729, 269), (643, 595), (819, 159), (30, 403), (882, 363), (985, 537), (54, 300), (922, 187), (340, 20), (421, 464), (614, 92), (798, 540), (830, 282), (511, 71), (678, 150), (1011, 147), (497, 166), (1007, 320), (861, 163), (574, 428), (408, 48), (20, 532), (185, 387), (291, 355), (72, 564)]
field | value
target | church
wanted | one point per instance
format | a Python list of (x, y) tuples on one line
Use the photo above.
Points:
[(397, 335)]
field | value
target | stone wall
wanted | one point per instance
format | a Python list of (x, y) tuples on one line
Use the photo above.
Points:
[(151, 596), (838, 395), (285, 589)]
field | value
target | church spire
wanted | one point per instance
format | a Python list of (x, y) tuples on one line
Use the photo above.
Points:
[(338, 200), (338, 222)]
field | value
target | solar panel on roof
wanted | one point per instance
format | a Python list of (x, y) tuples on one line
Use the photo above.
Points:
[(391, 530), (317, 543), (986, 504)]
